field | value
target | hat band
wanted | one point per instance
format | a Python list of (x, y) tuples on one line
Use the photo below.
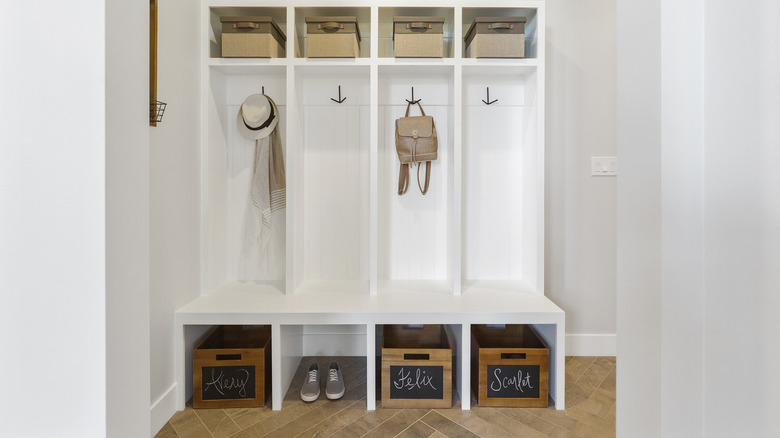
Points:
[(264, 125)]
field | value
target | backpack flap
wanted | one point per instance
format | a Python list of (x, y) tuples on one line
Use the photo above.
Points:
[(415, 127)]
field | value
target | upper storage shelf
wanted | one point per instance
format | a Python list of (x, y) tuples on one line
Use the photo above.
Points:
[(375, 23)]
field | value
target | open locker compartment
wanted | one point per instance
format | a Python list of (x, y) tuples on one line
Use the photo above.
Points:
[(229, 160), (415, 252), (331, 193), (503, 181)]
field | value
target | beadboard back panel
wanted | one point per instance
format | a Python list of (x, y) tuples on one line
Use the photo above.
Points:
[(414, 229)]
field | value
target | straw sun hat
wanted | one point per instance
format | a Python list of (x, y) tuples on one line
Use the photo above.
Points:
[(257, 117)]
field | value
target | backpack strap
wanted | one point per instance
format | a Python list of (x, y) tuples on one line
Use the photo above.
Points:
[(427, 176), (408, 105), (403, 178)]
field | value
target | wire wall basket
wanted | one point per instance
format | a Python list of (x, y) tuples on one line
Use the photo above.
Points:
[(156, 111)]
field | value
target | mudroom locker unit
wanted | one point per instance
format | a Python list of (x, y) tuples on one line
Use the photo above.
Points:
[(357, 255)]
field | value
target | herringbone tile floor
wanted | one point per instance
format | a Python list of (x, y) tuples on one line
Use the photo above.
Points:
[(590, 412)]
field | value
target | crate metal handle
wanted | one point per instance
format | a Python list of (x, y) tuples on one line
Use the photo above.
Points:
[(330, 25), (512, 355), (417, 356), (245, 25), (228, 357), (418, 25), (500, 26)]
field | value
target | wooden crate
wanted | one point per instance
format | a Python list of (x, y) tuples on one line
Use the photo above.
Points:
[(417, 366), (231, 368), (509, 366)]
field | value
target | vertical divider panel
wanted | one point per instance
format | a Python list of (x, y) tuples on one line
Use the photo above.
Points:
[(371, 367), (465, 367), (456, 233), (205, 79), (276, 368), (373, 177), (293, 159), (540, 142), (289, 352)]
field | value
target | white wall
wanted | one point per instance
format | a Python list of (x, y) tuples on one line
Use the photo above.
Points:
[(74, 220), (639, 218), (580, 259), (698, 219), (742, 218), (127, 218), (52, 223), (175, 193)]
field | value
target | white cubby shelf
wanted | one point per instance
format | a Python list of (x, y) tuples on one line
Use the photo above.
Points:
[(356, 254)]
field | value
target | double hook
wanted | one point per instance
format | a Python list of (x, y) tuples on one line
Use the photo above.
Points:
[(413, 101)]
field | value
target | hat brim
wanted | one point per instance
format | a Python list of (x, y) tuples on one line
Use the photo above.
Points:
[(261, 133)]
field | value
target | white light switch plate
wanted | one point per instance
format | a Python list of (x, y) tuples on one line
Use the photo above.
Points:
[(603, 166)]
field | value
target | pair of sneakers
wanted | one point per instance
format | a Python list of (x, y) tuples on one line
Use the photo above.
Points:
[(334, 387)]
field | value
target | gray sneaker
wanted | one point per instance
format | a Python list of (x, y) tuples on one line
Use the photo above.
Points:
[(310, 390), (334, 388)]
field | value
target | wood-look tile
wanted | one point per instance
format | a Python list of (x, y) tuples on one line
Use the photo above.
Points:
[(576, 394), (599, 403), (167, 432), (187, 424), (489, 422), (563, 420), (612, 414), (277, 420), (609, 382), (607, 427), (590, 413), (547, 428), (446, 426), (417, 430), (397, 423), (577, 366), (365, 423), (317, 415), (245, 417), (217, 422), (332, 424), (596, 373)]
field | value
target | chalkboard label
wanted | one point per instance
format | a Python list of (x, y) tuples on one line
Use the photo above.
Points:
[(417, 382), (513, 381), (228, 382)]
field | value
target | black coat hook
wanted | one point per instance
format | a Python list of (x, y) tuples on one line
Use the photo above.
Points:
[(340, 99), (263, 89), (413, 101), (488, 102)]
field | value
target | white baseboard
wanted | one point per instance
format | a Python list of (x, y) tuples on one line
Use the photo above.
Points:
[(162, 410), (591, 345)]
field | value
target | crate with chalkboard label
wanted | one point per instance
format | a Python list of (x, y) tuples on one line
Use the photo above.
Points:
[(509, 366), (231, 367), (417, 365)]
